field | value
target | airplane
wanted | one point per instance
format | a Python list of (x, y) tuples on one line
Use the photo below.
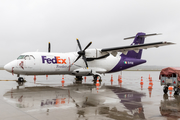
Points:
[(86, 62)]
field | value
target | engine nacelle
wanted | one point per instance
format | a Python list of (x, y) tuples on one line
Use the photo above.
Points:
[(82, 72), (95, 53), (90, 71)]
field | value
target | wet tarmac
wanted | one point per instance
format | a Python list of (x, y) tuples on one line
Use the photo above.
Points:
[(47, 99)]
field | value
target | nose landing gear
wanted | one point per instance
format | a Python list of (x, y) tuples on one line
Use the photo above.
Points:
[(21, 79)]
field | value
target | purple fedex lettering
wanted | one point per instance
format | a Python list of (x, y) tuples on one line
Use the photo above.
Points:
[(43, 59), (55, 60), (49, 60)]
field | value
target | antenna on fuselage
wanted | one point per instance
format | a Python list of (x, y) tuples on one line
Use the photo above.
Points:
[(49, 47)]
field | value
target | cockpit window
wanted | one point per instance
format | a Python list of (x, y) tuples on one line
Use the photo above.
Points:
[(21, 57), (32, 57), (27, 57)]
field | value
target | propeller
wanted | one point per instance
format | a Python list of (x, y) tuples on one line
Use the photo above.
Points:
[(49, 47), (82, 52)]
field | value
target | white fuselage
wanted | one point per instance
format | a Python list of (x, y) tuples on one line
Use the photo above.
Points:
[(43, 63)]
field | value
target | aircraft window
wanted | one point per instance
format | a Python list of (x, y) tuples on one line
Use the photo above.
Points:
[(27, 57), (21, 57), (32, 57)]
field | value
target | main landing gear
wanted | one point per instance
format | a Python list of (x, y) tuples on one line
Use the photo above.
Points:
[(78, 79)]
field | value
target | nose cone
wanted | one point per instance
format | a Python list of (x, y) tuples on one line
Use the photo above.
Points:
[(8, 67)]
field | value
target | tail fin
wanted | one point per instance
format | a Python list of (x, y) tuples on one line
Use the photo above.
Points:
[(138, 39)]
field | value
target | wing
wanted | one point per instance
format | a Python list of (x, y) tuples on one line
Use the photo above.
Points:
[(136, 47)]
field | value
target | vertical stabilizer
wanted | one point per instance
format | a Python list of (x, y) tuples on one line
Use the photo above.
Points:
[(138, 39)]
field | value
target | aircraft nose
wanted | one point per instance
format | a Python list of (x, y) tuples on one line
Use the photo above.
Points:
[(8, 67)]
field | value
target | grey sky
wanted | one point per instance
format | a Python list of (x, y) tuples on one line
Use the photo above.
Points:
[(28, 25)]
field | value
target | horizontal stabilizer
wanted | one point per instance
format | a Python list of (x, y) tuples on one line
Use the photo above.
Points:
[(136, 47), (143, 36)]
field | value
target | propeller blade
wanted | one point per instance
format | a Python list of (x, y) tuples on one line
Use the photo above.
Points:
[(84, 58), (82, 52), (79, 44), (87, 46), (77, 58), (49, 47)]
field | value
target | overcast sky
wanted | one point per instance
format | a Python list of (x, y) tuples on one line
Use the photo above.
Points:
[(28, 25)]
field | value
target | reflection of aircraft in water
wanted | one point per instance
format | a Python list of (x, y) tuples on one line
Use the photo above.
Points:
[(170, 107), (83, 98), (131, 100)]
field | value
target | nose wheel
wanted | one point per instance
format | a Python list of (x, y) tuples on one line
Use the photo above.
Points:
[(21, 79)]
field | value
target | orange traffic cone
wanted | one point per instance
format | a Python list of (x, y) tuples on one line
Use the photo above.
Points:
[(141, 83), (170, 88), (97, 85), (62, 80), (149, 77), (84, 78), (150, 81), (120, 79), (111, 79), (34, 78), (46, 77), (150, 91)]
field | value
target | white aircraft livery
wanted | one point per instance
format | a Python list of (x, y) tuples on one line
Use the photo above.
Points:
[(86, 62)]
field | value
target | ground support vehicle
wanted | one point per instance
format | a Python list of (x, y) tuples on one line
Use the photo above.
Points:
[(170, 76)]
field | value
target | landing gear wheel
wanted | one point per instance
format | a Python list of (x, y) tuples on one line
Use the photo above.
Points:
[(165, 89), (20, 79), (79, 79)]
